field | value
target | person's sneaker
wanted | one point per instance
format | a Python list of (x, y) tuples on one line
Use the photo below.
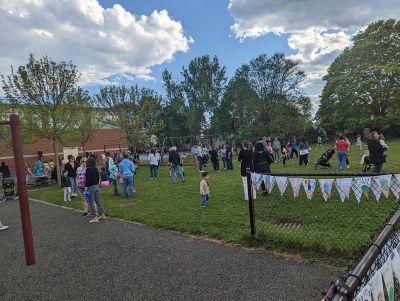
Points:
[(95, 220), (103, 217), (348, 166), (202, 206), (2, 227), (85, 214)]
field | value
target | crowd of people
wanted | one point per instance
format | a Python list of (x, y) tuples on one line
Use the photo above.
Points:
[(81, 177)]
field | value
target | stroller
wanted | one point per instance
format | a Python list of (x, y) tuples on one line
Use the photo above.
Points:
[(323, 161)]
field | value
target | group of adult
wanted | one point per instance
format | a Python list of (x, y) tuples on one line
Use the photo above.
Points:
[(201, 154)]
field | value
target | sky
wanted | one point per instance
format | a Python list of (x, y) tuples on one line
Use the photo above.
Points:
[(133, 41)]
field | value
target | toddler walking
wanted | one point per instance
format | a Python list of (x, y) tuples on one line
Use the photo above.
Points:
[(204, 189), (66, 185)]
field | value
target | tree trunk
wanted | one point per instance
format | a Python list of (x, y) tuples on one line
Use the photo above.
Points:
[(84, 151), (55, 150)]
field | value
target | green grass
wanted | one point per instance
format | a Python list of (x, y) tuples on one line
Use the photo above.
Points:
[(331, 231)]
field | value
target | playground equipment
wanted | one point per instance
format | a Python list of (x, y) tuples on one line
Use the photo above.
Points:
[(184, 143)]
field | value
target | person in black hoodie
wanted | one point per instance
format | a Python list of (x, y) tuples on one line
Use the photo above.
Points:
[(376, 151), (246, 161), (174, 160), (261, 162), (214, 158)]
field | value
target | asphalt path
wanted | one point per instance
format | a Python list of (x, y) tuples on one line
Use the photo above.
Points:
[(117, 260)]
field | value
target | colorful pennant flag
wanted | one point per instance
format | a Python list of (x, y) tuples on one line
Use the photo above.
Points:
[(385, 181), (365, 294), (375, 188), (326, 187), (269, 182), (395, 261), (296, 184), (343, 187), (361, 186), (387, 274), (395, 185), (309, 187), (282, 183)]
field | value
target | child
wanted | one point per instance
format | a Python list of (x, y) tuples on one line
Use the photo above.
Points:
[(66, 185), (359, 143), (284, 155), (114, 176), (204, 189), (383, 143)]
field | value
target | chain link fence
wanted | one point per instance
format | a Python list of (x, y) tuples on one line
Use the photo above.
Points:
[(335, 230)]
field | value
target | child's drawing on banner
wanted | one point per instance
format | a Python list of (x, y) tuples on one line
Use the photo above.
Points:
[(255, 178), (282, 183), (377, 287), (269, 182), (343, 187), (326, 187), (361, 187), (375, 188), (309, 187), (387, 274), (365, 294), (296, 184), (395, 185)]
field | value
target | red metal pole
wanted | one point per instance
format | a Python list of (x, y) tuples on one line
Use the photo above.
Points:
[(22, 190)]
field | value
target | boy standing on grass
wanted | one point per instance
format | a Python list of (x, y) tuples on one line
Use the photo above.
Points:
[(66, 185), (204, 189)]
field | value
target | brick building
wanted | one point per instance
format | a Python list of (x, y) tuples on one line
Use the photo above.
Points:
[(112, 139)]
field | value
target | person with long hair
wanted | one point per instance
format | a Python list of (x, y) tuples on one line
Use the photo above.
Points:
[(342, 146), (246, 161), (92, 187)]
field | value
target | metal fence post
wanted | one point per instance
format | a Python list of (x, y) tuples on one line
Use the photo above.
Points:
[(251, 202), (22, 190)]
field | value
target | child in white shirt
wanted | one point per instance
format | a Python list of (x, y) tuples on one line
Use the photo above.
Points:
[(204, 189)]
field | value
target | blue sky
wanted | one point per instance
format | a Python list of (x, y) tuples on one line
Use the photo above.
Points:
[(133, 41), (208, 23)]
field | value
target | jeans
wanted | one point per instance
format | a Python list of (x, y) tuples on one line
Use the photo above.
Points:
[(224, 162), (277, 152), (72, 180), (294, 151), (115, 184), (303, 158), (341, 156), (216, 165), (201, 162), (94, 199), (176, 169), (229, 164), (153, 171), (204, 199), (378, 167), (127, 186)]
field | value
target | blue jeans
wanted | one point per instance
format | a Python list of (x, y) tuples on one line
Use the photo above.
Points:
[(378, 168), (115, 184), (95, 199), (229, 164), (201, 162), (153, 171), (176, 169), (204, 199), (127, 186), (73, 188), (341, 156)]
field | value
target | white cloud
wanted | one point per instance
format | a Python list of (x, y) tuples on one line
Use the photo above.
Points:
[(318, 30), (102, 42)]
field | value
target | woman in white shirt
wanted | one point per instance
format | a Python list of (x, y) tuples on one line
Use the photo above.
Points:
[(153, 161)]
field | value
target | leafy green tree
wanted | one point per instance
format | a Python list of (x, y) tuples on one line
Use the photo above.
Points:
[(203, 84), (41, 90), (133, 109), (362, 85)]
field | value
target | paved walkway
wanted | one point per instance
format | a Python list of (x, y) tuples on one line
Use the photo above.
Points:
[(116, 260)]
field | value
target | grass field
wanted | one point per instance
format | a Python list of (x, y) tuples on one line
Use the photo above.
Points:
[(331, 231)]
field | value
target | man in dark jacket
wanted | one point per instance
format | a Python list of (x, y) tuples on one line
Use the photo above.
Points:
[(5, 171), (174, 160)]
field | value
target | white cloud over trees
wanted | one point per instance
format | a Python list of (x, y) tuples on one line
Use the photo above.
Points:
[(102, 42)]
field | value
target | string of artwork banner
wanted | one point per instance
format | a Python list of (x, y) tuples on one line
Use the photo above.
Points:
[(363, 186), (383, 279)]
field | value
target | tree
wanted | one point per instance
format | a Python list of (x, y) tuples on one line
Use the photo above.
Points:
[(41, 89), (362, 85), (87, 119), (203, 84), (264, 97), (134, 110)]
